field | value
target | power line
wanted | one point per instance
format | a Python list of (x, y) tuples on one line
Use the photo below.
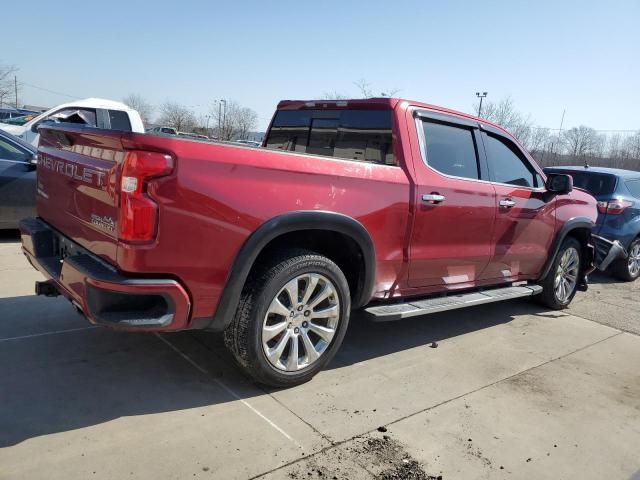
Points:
[(599, 131), (50, 91)]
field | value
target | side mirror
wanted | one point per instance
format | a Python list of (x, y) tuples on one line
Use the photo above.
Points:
[(34, 127), (32, 162), (559, 183)]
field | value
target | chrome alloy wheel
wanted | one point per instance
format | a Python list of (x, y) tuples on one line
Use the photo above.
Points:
[(300, 322), (634, 260), (567, 275)]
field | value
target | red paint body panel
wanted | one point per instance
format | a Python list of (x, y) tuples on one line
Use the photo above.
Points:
[(218, 194)]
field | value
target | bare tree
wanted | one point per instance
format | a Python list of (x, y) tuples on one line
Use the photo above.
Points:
[(7, 85), (366, 91), (575, 146), (580, 141), (505, 114), (335, 95), (177, 116), (246, 121), (364, 87), (233, 121), (139, 103), (539, 139), (632, 146)]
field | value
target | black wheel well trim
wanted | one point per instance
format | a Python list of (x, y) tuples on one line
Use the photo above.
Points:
[(576, 223), (298, 221)]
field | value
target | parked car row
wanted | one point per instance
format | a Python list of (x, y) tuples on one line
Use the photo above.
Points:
[(18, 148), (92, 112), (10, 114), (160, 130)]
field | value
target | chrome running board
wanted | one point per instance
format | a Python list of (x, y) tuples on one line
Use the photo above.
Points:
[(398, 311)]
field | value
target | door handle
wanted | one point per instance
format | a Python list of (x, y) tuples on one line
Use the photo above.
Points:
[(507, 203), (433, 198)]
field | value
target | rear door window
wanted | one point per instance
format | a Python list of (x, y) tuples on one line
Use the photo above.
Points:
[(361, 135), (451, 150)]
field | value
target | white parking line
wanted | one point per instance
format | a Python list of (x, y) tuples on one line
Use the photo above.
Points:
[(227, 389), (47, 333)]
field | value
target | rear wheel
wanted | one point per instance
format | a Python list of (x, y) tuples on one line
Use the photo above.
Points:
[(561, 283), (291, 319), (628, 269)]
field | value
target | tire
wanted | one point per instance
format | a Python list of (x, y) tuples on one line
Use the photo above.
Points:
[(554, 296), (260, 315), (628, 269)]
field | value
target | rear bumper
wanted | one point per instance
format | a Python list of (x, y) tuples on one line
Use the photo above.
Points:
[(98, 290)]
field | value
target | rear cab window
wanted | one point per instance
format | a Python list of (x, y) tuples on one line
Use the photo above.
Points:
[(597, 184), (119, 120), (360, 135)]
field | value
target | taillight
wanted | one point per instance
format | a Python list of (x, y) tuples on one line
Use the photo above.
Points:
[(614, 207), (138, 212)]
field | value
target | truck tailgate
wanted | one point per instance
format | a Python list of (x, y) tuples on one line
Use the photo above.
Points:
[(78, 184)]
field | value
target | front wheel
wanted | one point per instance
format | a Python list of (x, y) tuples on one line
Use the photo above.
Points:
[(291, 319), (561, 283)]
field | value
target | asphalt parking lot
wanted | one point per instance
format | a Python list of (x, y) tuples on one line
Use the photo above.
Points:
[(500, 391)]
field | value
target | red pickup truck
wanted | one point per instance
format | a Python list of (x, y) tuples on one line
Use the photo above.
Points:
[(395, 207)]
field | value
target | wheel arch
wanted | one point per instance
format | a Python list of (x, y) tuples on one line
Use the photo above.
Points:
[(577, 227), (293, 224)]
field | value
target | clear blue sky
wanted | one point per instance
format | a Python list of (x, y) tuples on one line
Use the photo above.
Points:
[(582, 56)]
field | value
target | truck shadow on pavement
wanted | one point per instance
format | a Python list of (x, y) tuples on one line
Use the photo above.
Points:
[(366, 340), (57, 374), (9, 236)]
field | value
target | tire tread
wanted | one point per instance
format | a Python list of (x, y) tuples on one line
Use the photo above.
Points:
[(238, 335)]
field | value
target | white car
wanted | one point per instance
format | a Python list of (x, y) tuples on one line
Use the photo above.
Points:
[(95, 112)]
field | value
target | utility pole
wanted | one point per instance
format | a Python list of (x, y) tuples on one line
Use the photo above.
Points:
[(559, 131), (480, 96), (224, 116), (219, 120), (15, 86)]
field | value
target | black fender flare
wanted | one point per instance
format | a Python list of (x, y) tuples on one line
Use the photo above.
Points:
[(571, 224), (270, 230)]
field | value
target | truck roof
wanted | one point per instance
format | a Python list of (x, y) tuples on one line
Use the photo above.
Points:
[(377, 103)]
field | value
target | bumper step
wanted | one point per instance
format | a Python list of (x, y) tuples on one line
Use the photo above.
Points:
[(398, 311)]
